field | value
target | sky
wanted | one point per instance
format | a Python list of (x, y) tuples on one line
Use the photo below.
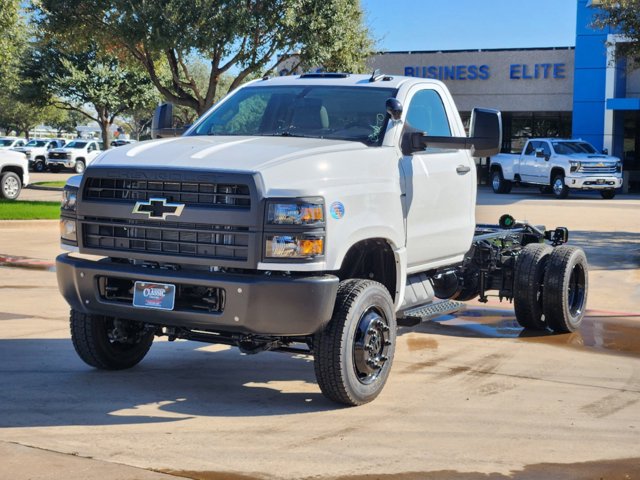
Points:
[(401, 25)]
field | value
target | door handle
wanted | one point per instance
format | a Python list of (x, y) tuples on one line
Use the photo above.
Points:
[(462, 169)]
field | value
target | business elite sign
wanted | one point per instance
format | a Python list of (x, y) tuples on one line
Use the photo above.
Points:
[(517, 71)]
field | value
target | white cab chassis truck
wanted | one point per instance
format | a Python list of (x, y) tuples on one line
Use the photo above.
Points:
[(310, 214), (75, 155), (557, 165), (14, 174)]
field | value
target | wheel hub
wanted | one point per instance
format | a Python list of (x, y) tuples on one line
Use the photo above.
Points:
[(558, 186), (371, 345), (10, 187)]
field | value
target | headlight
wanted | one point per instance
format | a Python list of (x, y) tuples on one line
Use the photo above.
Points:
[(294, 228), (295, 213), (68, 229), (294, 246), (69, 199), (575, 166)]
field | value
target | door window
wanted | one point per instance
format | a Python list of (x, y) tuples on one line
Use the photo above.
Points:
[(427, 114)]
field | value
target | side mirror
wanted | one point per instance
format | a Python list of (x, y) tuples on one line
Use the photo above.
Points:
[(394, 108), (540, 153), (605, 151), (485, 135), (162, 124)]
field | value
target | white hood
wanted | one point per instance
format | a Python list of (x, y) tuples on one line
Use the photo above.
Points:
[(245, 154)]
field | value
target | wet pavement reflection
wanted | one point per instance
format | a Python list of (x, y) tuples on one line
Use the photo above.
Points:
[(610, 332)]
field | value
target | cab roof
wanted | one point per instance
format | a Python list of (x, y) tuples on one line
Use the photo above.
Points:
[(344, 79)]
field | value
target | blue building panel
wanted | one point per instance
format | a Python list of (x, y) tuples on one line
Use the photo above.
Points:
[(589, 84), (591, 51), (623, 104)]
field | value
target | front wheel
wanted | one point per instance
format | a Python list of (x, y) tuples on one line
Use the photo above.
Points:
[(560, 189), (109, 343), (39, 166), (79, 168), (608, 194), (10, 185), (354, 352)]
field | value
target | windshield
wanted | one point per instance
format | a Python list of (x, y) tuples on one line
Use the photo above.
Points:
[(344, 113), (5, 142), (75, 144), (571, 148), (36, 143)]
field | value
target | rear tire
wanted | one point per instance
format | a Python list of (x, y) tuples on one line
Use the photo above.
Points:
[(559, 188), (109, 343), (498, 183), (10, 185), (528, 285), (566, 284), (608, 194), (354, 352)]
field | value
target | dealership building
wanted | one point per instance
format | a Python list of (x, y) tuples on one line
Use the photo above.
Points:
[(583, 92)]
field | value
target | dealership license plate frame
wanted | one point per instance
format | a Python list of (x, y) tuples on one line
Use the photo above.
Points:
[(161, 296)]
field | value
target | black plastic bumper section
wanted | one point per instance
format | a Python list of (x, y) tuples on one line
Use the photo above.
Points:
[(271, 305)]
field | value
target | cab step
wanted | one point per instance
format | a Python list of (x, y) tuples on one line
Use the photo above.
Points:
[(422, 313)]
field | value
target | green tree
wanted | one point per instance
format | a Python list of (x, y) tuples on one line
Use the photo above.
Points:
[(21, 117), (75, 80), (622, 16), (12, 39), (236, 38)]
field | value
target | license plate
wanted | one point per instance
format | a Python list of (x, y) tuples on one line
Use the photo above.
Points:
[(161, 296), (600, 181)]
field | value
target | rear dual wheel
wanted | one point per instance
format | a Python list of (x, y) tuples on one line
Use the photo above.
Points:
[(550, 287)]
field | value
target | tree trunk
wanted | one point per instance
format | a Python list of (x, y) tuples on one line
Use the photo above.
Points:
[(104, 127)]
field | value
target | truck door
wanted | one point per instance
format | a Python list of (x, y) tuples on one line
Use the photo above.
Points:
[(528, 162), (543, 164), (440, 187)]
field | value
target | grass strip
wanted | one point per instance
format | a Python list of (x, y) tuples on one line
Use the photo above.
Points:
[(59, 184), (24, 210)]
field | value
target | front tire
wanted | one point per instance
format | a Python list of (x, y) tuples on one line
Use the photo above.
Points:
[(608, 194), (354, 352), (39, 166), (559, 188), (79, 168), (109, 343), (10, 185), (566, 284), (498, 183)]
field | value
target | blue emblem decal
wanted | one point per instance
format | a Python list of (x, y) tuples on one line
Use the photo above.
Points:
[(337, 210)]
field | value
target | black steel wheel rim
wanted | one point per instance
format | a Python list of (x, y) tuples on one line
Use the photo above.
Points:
[(371, 344), (577, 290)]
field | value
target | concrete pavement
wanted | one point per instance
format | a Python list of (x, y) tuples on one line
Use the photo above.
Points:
[(470, 396)]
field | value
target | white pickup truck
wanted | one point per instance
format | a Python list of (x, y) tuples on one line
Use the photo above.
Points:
[(308, 214), (75, 155), (36, 151), (14, 174), (557, 165), (11, 142)]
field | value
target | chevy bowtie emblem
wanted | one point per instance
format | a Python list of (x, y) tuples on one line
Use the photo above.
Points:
[(158, 208)]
